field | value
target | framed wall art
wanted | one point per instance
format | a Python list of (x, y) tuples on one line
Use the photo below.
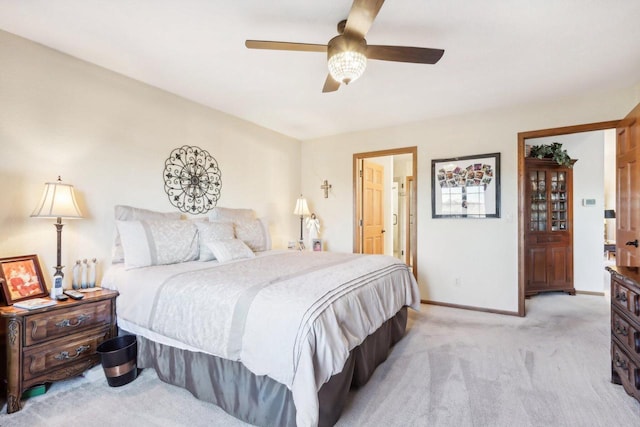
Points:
[(466, 187), (21, 278)]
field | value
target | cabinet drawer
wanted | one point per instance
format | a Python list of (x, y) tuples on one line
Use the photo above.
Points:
[(46, 358), (625, 299), (44, 326), (626, 369), (626, 332)]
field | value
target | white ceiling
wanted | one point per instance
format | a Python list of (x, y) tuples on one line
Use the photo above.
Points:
[(497, 53)]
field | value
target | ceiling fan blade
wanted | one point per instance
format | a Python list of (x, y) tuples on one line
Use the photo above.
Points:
[(330, 85), (417, 55), (361, 16), (302, 47)]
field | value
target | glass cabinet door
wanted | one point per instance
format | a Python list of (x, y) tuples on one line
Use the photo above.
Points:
[(538, 200), (558, 200), (548, 204)]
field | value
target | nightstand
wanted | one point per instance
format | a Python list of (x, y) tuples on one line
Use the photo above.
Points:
[(53, 343)]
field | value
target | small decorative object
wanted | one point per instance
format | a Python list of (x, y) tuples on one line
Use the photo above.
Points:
[(316, 245), (92, 273), (466, 187), (192, 180), (76, 281), (21, 278), (84, 274), (56, 287), (326, 187), (313, 228), (551, 151)]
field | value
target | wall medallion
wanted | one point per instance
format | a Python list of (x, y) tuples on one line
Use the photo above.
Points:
[(192, 180)]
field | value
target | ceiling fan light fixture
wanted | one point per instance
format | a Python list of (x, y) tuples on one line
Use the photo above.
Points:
[(346, 67)]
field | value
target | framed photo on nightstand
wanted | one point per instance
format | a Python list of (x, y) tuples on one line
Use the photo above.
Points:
[(21, 278), (316, 245)]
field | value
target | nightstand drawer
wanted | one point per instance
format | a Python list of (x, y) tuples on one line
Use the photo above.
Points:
[(44, 326), (46, 358)]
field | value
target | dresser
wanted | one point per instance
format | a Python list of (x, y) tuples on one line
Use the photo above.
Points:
[(625, 328), (53, 343)]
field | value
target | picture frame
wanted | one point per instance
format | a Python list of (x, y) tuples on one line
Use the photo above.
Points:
[(21, 278), (316, 245), (466, 187)]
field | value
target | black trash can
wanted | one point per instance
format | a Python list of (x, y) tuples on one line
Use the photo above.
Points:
[(119, 359)]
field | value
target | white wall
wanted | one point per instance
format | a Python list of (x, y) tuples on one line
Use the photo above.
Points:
[(109, 136), (588, 221), (482, 254)]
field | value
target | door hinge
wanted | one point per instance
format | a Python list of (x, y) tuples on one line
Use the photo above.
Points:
[(360, 223), (360, 173)]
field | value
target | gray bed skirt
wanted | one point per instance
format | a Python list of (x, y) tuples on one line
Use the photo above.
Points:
[(260, 400)]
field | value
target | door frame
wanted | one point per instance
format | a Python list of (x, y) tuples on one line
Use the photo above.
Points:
[(522, 137), (357, 157)]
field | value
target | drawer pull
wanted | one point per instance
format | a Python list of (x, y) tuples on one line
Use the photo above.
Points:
[(65, 354), (621, 330), (66, 323)]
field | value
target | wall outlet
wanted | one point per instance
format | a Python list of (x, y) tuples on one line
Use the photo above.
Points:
[(458, 281)]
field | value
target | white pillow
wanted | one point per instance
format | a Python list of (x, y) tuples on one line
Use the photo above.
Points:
[(233, 215), (230, 249), (128, 213), (211, 231), (158, 242), (254, 233)]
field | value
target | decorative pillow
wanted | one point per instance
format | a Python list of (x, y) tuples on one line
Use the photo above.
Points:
[(158, 242), (211, 231), (128, 213), (254, 233), (233, 215), (230, 249)]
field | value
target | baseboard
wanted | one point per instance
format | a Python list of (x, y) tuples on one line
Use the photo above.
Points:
[(472, 308), (599, 294)]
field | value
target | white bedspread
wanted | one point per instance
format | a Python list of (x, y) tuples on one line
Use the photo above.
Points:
[(293, 316)]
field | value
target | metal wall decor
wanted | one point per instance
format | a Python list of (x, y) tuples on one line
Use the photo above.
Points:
[(192, 180)]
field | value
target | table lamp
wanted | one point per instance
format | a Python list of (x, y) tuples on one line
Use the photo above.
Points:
[(301, 209), (58, 201)]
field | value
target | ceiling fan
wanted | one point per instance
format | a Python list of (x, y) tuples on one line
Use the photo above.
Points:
[(347, 53)]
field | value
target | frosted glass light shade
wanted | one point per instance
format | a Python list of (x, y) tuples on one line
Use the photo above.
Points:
[(58, 201), (347, 66)]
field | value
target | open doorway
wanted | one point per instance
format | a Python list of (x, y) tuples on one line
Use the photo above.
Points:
[(385, 203), (537, 137)]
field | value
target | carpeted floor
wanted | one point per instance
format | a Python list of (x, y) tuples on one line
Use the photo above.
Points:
[(453, 368)]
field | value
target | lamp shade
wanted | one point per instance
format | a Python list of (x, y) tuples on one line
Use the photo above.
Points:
[(609, 213), (301, 207), (58, 201)]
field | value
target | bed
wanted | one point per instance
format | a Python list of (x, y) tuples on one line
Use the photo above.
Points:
[(273, 337)]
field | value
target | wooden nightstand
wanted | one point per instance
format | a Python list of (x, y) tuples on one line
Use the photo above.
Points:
[(53, 343)]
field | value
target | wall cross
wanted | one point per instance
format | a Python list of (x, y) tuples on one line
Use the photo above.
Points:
[(325, 186)]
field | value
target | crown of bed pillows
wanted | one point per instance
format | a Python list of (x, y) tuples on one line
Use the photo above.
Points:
[(144, 237)]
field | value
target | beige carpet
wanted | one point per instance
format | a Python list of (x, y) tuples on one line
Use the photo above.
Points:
[(453, 368)]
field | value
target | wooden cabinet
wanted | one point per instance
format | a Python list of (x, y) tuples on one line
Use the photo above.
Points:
[(625, 329), (549, 227), (53, 343)]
